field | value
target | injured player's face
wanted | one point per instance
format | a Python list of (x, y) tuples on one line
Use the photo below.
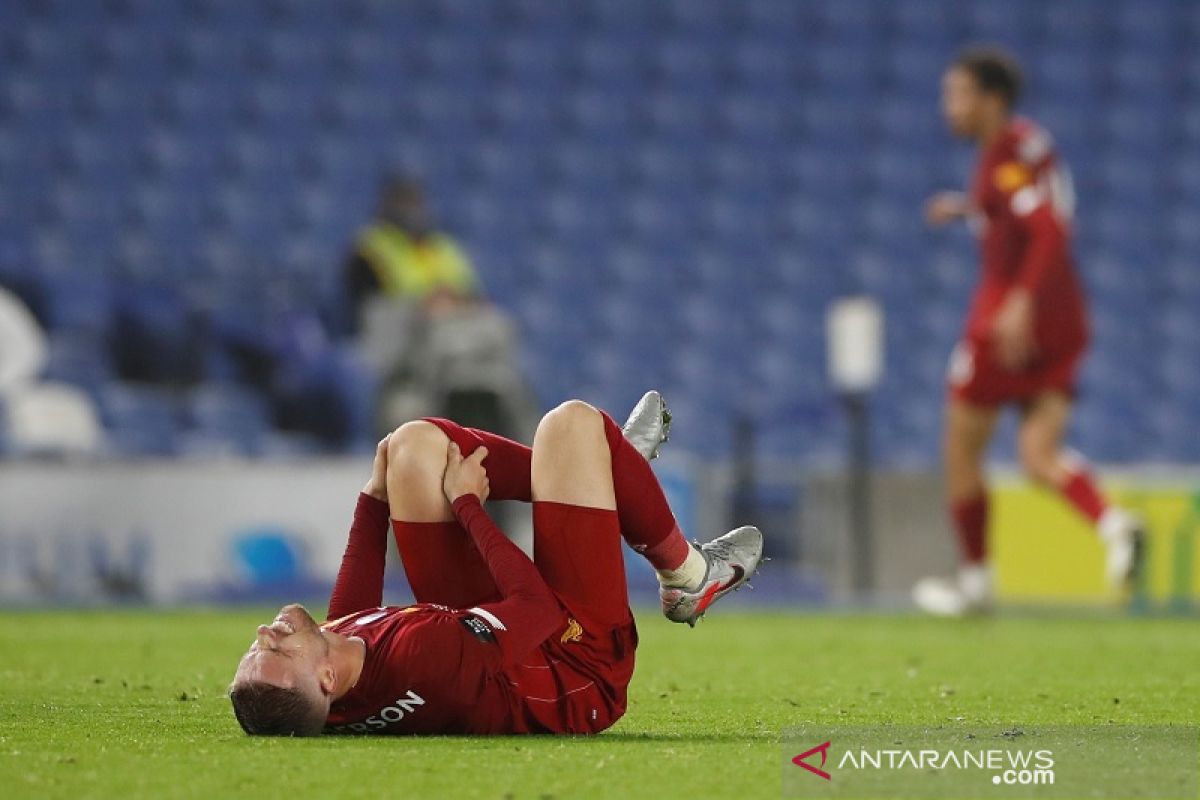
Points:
[(289, 652)]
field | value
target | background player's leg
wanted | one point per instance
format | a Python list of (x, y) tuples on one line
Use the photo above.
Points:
[(439, 559), (1046, 462), (968, 432)]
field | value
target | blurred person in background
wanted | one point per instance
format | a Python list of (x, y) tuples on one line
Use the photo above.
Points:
[(37, 417), (414, 304), (22, 344), (401, 255), (1026, 333)]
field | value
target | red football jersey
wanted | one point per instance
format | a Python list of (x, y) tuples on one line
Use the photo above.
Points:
[(1024, 204), (433, 669), (424, 672)]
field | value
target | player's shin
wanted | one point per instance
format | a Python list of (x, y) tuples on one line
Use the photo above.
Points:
[(646, 519), (970, 517)]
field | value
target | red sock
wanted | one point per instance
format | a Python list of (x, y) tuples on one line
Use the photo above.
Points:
[(1081, 492), (970, 526), (508, 463), (646, 520)]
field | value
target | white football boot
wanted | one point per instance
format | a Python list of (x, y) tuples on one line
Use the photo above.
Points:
[(731, 561), (649, 425), (968, 593), (1124, 536)]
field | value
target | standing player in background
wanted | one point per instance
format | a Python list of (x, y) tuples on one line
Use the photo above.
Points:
[(1026, 333)]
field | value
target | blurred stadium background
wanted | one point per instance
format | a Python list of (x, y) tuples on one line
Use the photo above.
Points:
[(659, 194)]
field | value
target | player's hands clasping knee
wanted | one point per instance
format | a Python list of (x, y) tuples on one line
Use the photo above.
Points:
[(465, 475)]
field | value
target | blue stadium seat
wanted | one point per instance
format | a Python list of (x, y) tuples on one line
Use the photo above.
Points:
[(226, 416), (140, 421), (209, 162), (1076, 21), (79, 358), (1008, 24), (77, 302)]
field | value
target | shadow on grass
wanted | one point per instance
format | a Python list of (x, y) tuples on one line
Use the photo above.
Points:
[(540, 740), (660, 738)]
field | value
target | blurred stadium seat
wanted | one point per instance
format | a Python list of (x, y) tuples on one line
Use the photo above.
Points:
[(676, 190)]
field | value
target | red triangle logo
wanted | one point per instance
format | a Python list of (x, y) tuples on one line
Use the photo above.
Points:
[(823, 749)]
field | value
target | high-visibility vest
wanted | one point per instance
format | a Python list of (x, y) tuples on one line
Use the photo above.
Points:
[(409, 268)]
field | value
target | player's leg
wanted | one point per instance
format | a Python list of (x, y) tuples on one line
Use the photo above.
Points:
[(577, 533), (965, 439), (1040, 446), (439, 559), (691, 578), (967, 432), (1048, 463), (646, 519), (508, 463)]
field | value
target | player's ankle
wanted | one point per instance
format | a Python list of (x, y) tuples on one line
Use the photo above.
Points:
[(689, 575), (975, 580)]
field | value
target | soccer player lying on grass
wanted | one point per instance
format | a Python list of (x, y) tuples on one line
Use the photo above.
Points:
[(496, 643)]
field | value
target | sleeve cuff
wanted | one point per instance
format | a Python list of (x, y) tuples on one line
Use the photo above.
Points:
[(372, 505), (465, 503)]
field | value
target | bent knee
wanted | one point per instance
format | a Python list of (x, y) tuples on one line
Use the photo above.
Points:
[(1037, 461), (416, 440), (572, 418)]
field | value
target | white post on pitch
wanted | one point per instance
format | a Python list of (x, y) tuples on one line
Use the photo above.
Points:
[(854, 330)]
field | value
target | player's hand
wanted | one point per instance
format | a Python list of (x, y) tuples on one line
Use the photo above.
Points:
[(377, 486), (1012, 330), (945, 207), (465, 475)]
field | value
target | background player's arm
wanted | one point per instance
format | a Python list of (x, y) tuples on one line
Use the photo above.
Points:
[(359, 582), (1045, 249), (946, 207), (1046, 240), (529, 611)]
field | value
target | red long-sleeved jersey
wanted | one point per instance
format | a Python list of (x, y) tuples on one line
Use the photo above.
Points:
[(1025, 203), (496, 668)]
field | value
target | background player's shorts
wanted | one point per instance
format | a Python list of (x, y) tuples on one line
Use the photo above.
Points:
[(974, 376)]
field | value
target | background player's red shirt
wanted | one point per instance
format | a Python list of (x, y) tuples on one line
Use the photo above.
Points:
[(1025, 204)]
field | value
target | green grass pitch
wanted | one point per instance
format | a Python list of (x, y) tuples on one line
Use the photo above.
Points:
[(131, 704)]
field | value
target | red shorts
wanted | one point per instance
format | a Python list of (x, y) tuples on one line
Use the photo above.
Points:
[(974, 376), (578, 552)]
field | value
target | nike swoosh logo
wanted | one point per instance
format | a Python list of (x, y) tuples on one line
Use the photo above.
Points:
[(717, 588), (738, 574)]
